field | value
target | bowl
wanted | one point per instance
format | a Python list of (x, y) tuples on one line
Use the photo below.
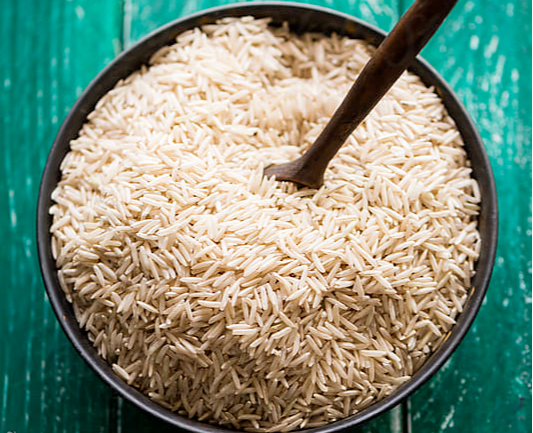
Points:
[(301, 18)]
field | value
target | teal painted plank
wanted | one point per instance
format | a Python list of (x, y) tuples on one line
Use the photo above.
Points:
[(50, 51), (484, 51), (144, 16)]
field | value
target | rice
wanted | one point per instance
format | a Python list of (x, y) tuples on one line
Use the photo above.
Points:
[(243, 301)]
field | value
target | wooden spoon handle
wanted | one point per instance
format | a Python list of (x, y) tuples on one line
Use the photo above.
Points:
[(392, 57)]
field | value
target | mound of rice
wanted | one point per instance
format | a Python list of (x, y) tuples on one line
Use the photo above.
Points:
[(243, 301)]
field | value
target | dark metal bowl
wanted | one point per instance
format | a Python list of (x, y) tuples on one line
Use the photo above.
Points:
[(301, 18)]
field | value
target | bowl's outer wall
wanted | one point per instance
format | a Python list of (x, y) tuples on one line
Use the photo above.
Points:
[(301, 18)]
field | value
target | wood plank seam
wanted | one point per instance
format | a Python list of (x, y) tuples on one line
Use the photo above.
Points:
[(124, 26), (113, 412), (406, 416), (115, 401)]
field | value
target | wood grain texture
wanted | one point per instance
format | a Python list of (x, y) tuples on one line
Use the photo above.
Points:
[(484, 52), (51, 49), (143, 16)]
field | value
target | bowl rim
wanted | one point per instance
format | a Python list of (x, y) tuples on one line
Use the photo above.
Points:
[(85, 103)]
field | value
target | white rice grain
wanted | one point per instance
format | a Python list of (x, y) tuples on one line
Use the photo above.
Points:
[(243, 301)]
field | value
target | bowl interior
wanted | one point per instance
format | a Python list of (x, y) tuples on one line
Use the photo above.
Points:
[(301, 18)]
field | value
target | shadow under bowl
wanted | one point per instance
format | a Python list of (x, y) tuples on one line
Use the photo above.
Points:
[(301, 18)]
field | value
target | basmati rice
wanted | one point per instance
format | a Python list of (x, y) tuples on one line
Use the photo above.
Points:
[(243, 301)]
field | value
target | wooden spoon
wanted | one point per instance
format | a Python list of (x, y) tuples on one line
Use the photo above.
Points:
[(392, 57)]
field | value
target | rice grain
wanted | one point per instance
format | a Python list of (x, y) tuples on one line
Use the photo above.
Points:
[(243, 301)]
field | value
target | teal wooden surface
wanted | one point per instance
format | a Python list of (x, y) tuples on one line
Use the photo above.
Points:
[(51, 49), (143, 16), (484, 52), (50, 52)]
